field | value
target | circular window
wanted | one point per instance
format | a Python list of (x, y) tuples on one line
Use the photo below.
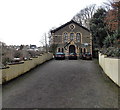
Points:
[(72, 26)]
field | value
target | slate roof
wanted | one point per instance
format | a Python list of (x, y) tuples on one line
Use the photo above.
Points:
[(72, 21)]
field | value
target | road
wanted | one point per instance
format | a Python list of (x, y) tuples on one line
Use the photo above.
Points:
[(62, 84)]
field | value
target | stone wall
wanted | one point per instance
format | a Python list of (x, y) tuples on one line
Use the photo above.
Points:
[(111, 67), (18, 69)]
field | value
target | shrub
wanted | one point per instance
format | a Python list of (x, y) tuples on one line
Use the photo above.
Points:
[(17, 54), (111, 45), (111, 52), (5, 61)]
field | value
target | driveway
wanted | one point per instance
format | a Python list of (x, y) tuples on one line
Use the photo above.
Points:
[(62, 84)]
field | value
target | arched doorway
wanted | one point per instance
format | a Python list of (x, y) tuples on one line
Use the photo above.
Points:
[(72, 49)]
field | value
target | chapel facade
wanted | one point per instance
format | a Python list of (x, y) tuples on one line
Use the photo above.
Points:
[(72, 37)]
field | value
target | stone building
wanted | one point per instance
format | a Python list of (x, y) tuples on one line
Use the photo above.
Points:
[(72, 37)]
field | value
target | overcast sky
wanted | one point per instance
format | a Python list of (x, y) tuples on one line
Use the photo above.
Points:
[(26, 21)]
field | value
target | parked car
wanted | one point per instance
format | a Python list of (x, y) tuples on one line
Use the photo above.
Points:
[(59, 55), (72, 56), (87, 56), (80, 55)]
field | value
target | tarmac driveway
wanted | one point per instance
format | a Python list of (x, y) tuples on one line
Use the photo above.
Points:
[(62, 84)]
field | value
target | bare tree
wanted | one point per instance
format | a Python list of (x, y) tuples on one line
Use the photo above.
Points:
[(78, 19), (108, 5), (84, 16)]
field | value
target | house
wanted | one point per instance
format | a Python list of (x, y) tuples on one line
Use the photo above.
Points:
[(33, 48), (71, 37)]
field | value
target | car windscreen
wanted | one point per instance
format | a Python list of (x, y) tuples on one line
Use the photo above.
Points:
[(88, 54), (60, 54), (72, 53)]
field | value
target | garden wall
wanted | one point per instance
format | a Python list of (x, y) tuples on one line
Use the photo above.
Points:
[(18, 69), (111, 67)]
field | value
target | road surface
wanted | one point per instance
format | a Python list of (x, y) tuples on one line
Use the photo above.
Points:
[(62, 84)]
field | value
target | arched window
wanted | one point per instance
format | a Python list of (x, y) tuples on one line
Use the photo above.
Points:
[(65, 37), (58, 49), (81, 50), (71, 36), (84, 50), (78, 37), (62, 50)]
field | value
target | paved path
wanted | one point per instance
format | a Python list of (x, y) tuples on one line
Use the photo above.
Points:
[(62, 84)]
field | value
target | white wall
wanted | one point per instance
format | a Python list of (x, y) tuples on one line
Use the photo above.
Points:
[(111, 67)]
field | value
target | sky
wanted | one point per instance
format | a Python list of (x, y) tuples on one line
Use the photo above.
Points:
[(26, 21)]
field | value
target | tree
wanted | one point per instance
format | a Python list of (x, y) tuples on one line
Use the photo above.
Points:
[(107, 5), (18, 54), (5, 61), (111, 40), (111, 45), (53, 48), (98, 28), (84, 16), (21, 47)]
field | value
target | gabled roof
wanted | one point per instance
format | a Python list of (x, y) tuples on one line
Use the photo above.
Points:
[(52, 31)]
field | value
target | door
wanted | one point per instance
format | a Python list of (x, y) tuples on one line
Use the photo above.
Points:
[(72, 49)]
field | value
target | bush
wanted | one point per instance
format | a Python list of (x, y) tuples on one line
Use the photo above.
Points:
[(111, 52), (5, 61), (117, 52), (32, 54), (17, 54), (111, 45)]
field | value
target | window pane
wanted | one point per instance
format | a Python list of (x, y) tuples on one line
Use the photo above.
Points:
[(71, 36), (78, 35), (65, 34), (65, 37)]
